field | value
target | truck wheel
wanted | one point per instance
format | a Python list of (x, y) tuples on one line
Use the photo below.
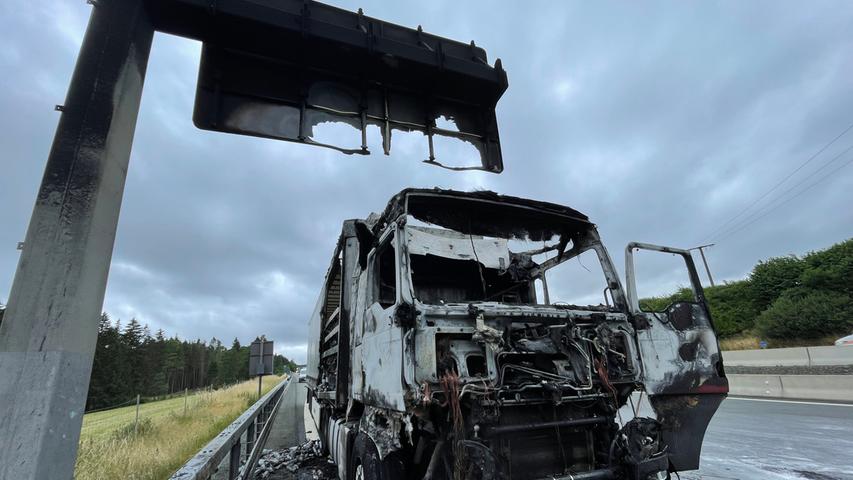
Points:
[(365, 463)]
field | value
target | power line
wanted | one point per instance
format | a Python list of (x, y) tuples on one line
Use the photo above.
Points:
[(753, 215), (848, 162), (768, 192)]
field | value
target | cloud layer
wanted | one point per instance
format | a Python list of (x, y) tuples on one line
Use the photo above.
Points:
[(660, 121)]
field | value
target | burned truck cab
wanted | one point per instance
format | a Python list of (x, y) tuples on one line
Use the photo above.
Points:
[(467, 356)]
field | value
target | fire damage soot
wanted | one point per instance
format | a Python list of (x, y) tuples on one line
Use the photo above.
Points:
[(439, 350)]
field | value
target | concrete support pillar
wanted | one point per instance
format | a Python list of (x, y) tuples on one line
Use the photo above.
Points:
[(48, 335)]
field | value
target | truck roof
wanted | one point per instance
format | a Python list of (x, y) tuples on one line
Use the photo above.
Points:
[(485, 213)]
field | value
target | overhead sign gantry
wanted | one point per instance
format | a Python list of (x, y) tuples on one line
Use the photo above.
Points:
[(270, 68)]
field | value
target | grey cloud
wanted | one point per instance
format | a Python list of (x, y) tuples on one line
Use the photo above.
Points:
[(659, 120)]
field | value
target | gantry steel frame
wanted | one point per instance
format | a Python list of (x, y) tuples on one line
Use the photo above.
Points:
[(48, 335)]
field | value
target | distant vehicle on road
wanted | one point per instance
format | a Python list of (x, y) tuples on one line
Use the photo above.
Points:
[(845, 341), (301, 375)]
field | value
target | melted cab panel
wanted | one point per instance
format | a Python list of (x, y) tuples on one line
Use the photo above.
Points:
[(435, 343), (682, 365)]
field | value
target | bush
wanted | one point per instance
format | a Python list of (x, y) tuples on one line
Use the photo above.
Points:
[(802, 313), (830, 269), (732, 307), (769, 279), (659, 304), (130, 430)]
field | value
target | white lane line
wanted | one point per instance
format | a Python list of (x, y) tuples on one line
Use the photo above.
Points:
[(803, 402), (310, 434)]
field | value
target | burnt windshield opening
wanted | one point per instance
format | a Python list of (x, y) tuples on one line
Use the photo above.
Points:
[(449, 266), (445, 280)]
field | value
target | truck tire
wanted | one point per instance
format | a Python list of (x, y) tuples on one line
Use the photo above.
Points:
[(365, 463)]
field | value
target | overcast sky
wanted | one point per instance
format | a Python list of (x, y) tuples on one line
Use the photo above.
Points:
[(661, 121)]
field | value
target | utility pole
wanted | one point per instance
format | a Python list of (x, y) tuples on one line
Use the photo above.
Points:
[(701, 249)]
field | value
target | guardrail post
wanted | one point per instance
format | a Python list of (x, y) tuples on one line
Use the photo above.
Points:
[(250, 438), (234, 463), (260, 419)]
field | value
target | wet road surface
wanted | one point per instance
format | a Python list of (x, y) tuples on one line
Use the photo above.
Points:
[(778, 440), (288, 428), (747, 439)]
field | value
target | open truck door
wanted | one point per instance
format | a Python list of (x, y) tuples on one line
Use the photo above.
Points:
[(682, 365)]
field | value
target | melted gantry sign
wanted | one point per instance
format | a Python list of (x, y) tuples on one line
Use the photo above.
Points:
[(278, 69)]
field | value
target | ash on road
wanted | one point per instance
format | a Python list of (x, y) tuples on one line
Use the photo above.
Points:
[(289, 431)]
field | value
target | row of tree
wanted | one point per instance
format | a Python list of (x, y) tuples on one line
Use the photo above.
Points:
[(792, 298), (129, 360)]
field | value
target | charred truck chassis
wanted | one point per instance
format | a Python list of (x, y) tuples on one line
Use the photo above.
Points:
[(430, 357)]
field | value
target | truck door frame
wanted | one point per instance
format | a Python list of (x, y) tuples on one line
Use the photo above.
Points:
[(682, 364), (381, 350)]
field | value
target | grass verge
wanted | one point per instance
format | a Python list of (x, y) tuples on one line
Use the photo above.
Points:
[(749, 341), (110, 446)]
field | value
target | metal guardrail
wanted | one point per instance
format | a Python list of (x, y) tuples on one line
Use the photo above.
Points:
[(254, 425)]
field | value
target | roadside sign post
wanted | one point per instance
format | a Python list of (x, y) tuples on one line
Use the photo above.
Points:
[(261, 359)]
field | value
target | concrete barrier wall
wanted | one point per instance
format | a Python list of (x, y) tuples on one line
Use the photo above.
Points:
[(755, 385), (837, 388), (789, 357), (831, 355), (771, 357), (834, 388)]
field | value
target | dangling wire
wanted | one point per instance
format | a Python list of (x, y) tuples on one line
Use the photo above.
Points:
[(479, 265), (450, 385)]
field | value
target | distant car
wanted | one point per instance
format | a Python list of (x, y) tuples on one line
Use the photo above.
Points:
[(845, 341), (302, 376)]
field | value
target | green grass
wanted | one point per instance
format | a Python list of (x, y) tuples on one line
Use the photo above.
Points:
[(105, 423), (166, 438), (750, 341)]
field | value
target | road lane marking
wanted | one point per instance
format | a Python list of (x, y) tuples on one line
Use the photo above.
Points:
[(803, 402), (310, 433)]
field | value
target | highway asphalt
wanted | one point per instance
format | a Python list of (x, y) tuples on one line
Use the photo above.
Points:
[(288, 428), (765, 439), (747, 439)]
